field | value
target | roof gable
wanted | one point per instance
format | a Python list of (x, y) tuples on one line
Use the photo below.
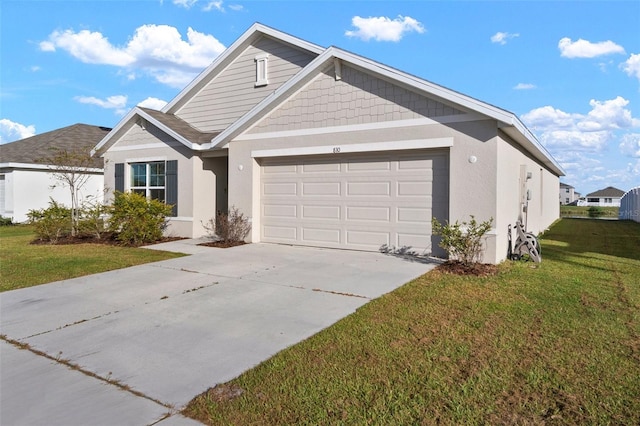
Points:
[(609, 192), (32, 150), (250, 36)]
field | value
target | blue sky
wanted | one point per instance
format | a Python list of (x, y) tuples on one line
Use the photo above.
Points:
[(569, 70)]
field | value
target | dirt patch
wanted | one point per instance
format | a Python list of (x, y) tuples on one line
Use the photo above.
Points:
[(224, 393), (475, 269), (223, 244)]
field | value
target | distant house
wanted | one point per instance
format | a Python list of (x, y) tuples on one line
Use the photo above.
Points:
[(608, 197), (322, 147), (568, 194), (630, 205), (26, 181)]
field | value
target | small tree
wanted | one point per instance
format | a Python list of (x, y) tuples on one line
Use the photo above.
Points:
[(70, 168), (462, 241)]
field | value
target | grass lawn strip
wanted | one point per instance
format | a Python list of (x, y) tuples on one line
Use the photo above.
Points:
[(23, 264), (551, 343)]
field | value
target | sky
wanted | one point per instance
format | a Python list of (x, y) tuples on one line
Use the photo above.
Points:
[(569, 70)]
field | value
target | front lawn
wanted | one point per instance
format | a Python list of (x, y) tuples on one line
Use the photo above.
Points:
[(24, 265), (555, 343)]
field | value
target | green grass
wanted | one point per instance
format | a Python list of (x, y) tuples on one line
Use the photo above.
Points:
[(583, 211), (24, 265), (555, 343)]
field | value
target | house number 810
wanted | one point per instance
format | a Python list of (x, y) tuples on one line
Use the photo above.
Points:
[(336, 149)]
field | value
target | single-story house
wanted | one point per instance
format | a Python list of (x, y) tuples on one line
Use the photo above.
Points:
[(568, 194), (607, 197), (26, 179), (322, 147), (630, 205)]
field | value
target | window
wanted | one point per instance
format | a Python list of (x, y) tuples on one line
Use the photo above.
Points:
[(608, 200), (262, 77), (148, 179), (593, 200)]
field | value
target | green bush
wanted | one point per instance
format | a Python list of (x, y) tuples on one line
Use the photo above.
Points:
[(5, 221), (229, 228), (52, 223), (136, 220), (462, 241), (595, 211), (91, 220)]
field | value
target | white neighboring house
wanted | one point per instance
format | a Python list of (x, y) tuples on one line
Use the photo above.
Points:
[(568, 194), (607, 197), (630, 205), (322, 147), (27, 183)]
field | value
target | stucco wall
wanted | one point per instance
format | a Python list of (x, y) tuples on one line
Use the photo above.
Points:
[(196, 179), (32, 189)]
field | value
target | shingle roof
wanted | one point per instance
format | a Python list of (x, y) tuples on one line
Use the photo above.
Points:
[(609, 191), (32, 150), (564, 185), (181, 127)]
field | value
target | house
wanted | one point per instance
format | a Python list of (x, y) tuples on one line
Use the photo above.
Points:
[(630, 205), (608, 197), (27, 181), (322, 147), (568, 194)]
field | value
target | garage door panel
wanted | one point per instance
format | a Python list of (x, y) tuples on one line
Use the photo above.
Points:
[(321, 212), (350, 201), (286, 211), (356, 189), (280, 233), (280, 169), (310, 189), (321, 235), (368, 213)]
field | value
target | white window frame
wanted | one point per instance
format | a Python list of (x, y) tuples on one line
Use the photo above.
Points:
[(148, 187), (262, 70)]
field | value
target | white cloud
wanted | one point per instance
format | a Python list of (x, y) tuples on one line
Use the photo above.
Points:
[(524, 86), (632, 65), (153, 103), (501, 38), (35, 68), (585, 49), (159, 50), (187, 4), (383, 28), (236, 7), (214, 4), (630, 145), (116, 102), (11, 131)]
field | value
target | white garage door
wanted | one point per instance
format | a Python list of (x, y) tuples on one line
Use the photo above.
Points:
[(354, 201)]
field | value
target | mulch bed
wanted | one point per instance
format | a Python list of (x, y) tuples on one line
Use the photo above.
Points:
[(106, 238), (475, 269), (223, 244)]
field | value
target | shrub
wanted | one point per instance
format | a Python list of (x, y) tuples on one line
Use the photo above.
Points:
[(229, 228), (91, 220), (5, 221), (136, 220), (462, 241), (52, 223), (595, 211)]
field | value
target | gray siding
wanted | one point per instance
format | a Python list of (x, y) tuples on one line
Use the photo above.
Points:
[(232, 93), (357, 98)]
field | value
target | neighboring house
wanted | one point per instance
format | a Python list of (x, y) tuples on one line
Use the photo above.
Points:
[(26, 182), (568, 194), (630, 205), (608, 197), (322, 147)]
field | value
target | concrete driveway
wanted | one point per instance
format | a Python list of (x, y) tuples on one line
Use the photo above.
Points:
[(133, 346)]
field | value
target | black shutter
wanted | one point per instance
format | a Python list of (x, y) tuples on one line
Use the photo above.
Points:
[(119, 175), (171, 189)]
